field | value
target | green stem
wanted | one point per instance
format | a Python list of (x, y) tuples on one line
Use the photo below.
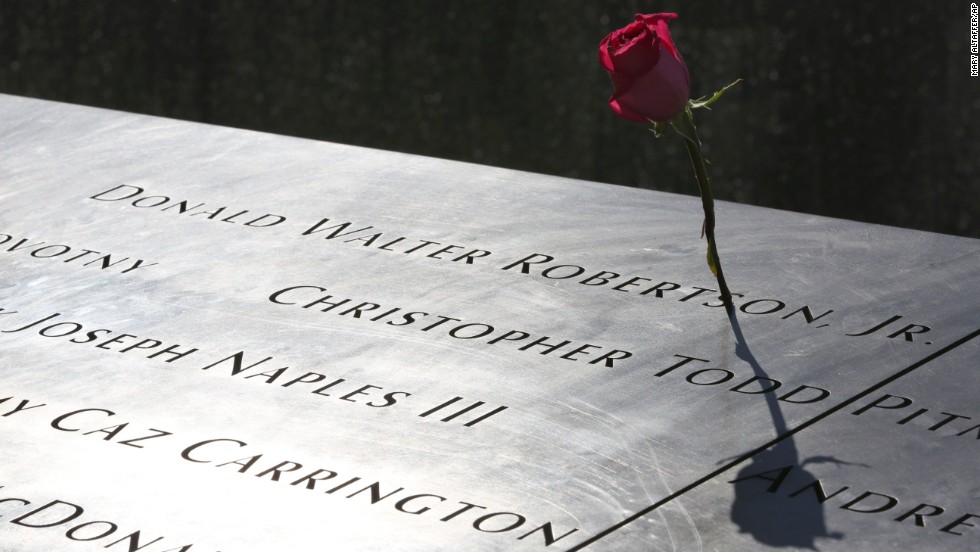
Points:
[(683, 123)]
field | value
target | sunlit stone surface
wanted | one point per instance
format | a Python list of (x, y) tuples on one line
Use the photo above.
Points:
[(214, 339)]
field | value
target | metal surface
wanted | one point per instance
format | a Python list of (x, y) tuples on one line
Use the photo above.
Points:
[(325, 419)]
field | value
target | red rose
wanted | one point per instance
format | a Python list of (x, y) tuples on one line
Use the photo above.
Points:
[(650, 79)]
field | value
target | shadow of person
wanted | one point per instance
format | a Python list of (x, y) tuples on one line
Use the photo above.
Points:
[(767, 505)]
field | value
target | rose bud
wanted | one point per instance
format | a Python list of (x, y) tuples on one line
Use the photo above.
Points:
[(650, 79)]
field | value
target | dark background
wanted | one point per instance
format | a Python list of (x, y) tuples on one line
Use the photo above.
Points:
[(859, 110)]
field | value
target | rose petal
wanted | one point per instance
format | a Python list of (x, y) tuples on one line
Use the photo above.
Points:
[(658, 95), (638, 54), (625, 112), (620, 82), (657, 23), (605, 59)]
